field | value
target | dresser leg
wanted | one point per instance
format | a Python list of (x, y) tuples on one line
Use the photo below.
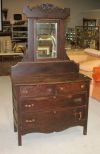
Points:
[(15, 129), (19, 139), (85, 130)]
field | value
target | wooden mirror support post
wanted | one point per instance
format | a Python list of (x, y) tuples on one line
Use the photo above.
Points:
[(49, 94)]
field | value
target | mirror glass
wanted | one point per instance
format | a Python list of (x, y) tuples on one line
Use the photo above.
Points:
[(46, 40)]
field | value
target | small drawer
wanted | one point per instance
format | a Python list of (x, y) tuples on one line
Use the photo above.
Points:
[(79, 99), (65, 88), (70, 100), (38, 104), (41, 121), (43, 104), (36, 91)]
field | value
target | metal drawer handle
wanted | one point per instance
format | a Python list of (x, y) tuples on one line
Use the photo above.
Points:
[(30, 121), (78, 116), (29, 105)]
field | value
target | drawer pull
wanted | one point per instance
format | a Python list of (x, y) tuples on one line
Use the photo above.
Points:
[(61, 88), (78, 99), (82, 86), (24, 91), (30, 121), (54, 112), (54, 97), (49, 89), (78, 116), (29, 105), (69, 96)]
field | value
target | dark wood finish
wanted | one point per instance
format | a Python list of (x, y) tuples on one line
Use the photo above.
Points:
[(46, 11), (7, 60), (47, 100), (89, 22), (49, 95), (87, 36)]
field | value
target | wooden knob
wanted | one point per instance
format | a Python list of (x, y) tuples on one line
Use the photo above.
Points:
[(69, 96), (61, 88), (54, 97), (82, 86), (49, 89), (54, 112), (24, 91)]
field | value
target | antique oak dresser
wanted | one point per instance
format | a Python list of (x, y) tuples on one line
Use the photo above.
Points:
[(49, 94)]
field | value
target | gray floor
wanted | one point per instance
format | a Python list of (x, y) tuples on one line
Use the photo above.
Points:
[(70, 141)]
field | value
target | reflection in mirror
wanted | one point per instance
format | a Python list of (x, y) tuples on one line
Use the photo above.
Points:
[(46, 40)]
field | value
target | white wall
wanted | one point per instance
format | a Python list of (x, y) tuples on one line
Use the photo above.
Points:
[(77, 7)]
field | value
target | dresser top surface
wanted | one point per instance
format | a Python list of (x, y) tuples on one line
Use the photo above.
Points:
[(49, 79)]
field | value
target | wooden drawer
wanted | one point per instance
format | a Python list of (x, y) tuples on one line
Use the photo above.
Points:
[(65, 88), (51, 89), (49, 103), (55, 120), (37, 90)]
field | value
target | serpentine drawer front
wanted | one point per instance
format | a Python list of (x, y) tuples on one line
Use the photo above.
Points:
[(53, 120)]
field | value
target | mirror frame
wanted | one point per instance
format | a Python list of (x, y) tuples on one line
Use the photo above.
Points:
[(0, 15), (51, 13)]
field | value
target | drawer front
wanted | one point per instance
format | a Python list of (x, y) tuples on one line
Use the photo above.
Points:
[(37, 122), (55, 102), (52, 89), (36, 90), (53, 121), (65, 88)]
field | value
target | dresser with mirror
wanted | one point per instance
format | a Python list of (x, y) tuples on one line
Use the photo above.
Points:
[(48, 92)]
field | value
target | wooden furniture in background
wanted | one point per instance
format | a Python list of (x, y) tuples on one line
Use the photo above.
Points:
[(87, 36), (7, 60), (49, 94), (8, 57), (89, 22)]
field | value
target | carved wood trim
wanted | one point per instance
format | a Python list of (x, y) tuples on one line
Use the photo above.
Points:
[(47, 11)]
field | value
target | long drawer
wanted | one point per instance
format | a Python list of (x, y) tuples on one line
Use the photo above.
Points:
[(51, 89), (50, 103), (52, 120)]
